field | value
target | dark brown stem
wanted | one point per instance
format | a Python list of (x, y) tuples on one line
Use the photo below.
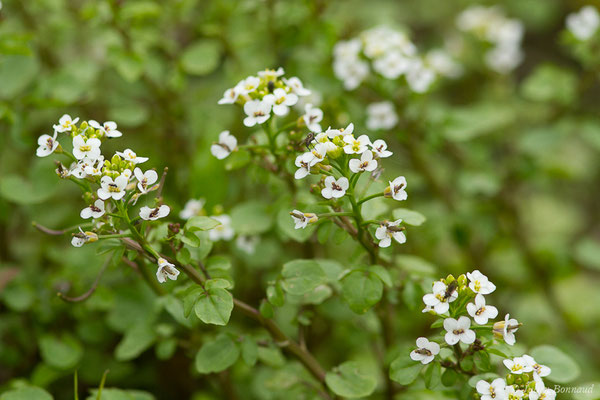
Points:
[(90, 291)]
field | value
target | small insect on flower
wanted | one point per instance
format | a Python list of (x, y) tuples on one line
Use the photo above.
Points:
[(145, 179), (282, 101), (506, 329), (129, 155), (441, 297), (492, 391), (152, 214), (65, 123), (458, 331), (84, 147), (109, 128), (366, 163), (113, 189), (257, 112), (95, 210), (80, 238), (426, 351), (480, 312), (47, 145), (312, 116), (479, 283), (192, 208), (518, 365), (390, 230), (166, 270), (379, 148), (356, 146), (335, 188), (223, 148), (301, 220), (397, 189)]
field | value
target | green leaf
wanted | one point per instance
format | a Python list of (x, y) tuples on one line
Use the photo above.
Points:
[(249, 351), (382, 274), (410, 217), (214, 306), (351, 379), (549, 83), (190, 239), (27, 393), (118, 394), (190, 297), (469, 122), (275, 295), (217, 356), (217, 283), (285, 224), (135, 341), (62, 353), (361, 290), (251, 218), (564, 368), (587, 252), (18, 190), (16, 73), (449, 377), (201, 223), (302, 276), (201, 57), (404, 370), (433, 376)]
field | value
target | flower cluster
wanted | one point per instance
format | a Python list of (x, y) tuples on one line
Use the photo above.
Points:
[(460, 302), (392, 55), (110, 186), (504, 34), (584, 23)]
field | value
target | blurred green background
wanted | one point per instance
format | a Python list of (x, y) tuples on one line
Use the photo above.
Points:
[(505, 168)]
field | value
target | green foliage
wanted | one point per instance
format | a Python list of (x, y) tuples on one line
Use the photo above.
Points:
[(351, 379), (217, 355)]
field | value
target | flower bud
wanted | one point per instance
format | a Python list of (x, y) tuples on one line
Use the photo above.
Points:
[(510, 379), (387, 192), (450, 278), (91, 237), (462, 280), (174, 227), (335, 153)]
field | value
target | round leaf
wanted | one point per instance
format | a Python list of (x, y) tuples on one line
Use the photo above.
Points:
[(564, 368), (351, 379), (202, 57), (27, 393), (214, 306), (217, 356), (302, 276), (361, 290)]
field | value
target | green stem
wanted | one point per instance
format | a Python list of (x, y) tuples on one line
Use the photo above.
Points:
[(371, 197), (114, 235), (335, 214)]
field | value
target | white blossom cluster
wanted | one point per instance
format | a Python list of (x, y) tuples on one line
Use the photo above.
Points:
[(458, 330), (584, 23), (391, 54), (504, 34), (119, 180)]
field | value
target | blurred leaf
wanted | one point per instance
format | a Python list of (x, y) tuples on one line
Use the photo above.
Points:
[(362, 290), (250, 218), (587, 252), (549, 83), (217, 355), (27, 393), (16, 73), (409, 216), (404, 371), (201, 57), (62, 353), (351, 379), (302, 276), (201, 223), (135, 341), (118, 394), (469, 122), (564, 368), (249, 351)]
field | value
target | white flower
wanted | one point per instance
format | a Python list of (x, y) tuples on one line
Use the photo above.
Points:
[(347, 131), (113, 189), (388, 230), (351, 71), (419, 77), (145, 179), (504, 58), (319, 152), (479, 283), (271, 74), (584, 24), (248, 85), (47, 145), (84, 147), (129, 155), (94, 168), (323, 140), (518, 365), (192, 208), (494, 391), (152, 214), (356, 146), (312, 116), (426, 351), (257, 112), (347, 49), (513, 394), (366, 163), (541, 392), (458, 330), (296, 85), (223, 148), (397, 188), (443, 64), (304, 163), (392, 64), (538, 369), (381, 115), (230, 96), (335, 188), (301, 220), (81, 238), (506, 329), (247, 243), (283, 101), (166, 270), (109, 128), (480, 312), (65, 123), (223, 231), (95, 210), (440, 299), (379, 147)]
